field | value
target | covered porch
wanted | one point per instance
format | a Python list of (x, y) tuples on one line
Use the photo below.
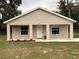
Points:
[(37, 32)]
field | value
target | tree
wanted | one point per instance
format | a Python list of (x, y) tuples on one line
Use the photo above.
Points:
[(62, 8), (70, 9), (8, 9)]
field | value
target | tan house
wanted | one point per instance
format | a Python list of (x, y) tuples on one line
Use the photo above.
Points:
[(39, 23)]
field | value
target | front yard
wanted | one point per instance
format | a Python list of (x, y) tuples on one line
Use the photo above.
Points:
[(33, 50)]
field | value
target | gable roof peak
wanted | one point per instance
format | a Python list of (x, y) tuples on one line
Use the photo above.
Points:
[(42, 8)]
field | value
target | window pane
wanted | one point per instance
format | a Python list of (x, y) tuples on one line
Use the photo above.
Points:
[(24, 27), (55, 30), (24, 30)]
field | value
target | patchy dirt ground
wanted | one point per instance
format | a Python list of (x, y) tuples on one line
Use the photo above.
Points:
[(33, 50), (40, 52)]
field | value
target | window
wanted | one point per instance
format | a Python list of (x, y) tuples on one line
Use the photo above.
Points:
[(55, 30), (24, 30)]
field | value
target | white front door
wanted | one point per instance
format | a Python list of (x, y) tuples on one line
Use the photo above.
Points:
[(39, 31)]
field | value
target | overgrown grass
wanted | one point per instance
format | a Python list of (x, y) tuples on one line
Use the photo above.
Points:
[(76, 35), (33, 50)]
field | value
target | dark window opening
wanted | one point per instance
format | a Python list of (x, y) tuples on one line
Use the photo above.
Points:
[(55, 30), (24, 30)]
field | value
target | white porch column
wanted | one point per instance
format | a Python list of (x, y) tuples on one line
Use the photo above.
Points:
[(8, 33), (48, 31), (71, 31), (31, 31)]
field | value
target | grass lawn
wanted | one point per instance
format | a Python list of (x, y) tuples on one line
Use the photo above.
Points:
[(33, 50)]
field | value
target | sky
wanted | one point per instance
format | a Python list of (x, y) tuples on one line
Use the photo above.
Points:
[(29, 4)]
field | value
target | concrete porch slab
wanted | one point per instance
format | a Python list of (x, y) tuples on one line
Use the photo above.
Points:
[(58, 40)]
